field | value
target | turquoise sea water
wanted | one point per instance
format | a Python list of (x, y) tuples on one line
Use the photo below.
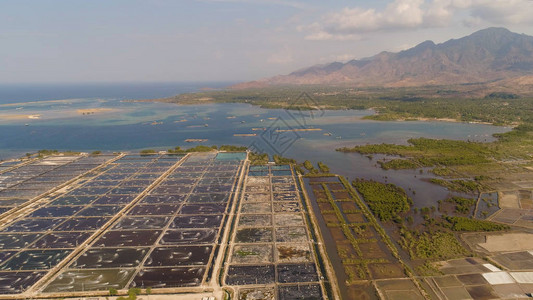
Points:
[(117, 125)]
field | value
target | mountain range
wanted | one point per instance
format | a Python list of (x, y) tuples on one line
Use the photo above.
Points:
[(492, 55)]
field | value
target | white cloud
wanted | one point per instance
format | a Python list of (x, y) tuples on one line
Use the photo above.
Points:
[(403, 13), (439, 12), (503, 12), (350, 22)]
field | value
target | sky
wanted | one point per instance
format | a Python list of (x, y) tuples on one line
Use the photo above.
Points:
[(61, 41)]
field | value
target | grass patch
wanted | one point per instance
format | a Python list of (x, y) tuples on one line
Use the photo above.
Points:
[(243, 253), (385, 200), (199, 148), (442, 171), (440, 245), (280, 160), (460, 102), (467, 224), (427, 269), (465, 186), (147, 151), (232, 148), (431, 152), (462, 205), (398, 164), (258, 158)]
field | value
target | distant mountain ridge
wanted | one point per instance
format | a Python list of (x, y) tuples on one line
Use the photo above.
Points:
[(488, 55)]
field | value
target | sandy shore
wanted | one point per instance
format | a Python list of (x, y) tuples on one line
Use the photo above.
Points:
[(18, 117)]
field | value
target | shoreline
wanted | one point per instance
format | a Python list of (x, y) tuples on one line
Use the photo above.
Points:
[(449, 120), (20, 117), (371, 117)]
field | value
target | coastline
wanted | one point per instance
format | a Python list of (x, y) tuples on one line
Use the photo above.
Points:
[(20, 117), (374, 117)]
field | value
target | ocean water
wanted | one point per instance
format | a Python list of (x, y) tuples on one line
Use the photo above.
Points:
[(112, 125), (13, 93), (99, 118)]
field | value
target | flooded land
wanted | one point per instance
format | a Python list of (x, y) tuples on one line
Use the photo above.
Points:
[(367, 223)]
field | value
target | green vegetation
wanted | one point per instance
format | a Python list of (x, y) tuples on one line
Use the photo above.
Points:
[(97, 152), (147, 152), (440, 246), (323, 167), (483, 163), (428, 269), (431, 152), (298, 169), (460, 102), (204, 148), (262, 158), (356, 265), (462, 205), (467, 224), (44, 152), (442, 171), (354, 273), (398, 164), (132, 294), (468, 166), (384, 236), (199, 148), (502, 95), (467, 103), (258, 158), (47, 152), (309, 166), (280, 160), (322, 171), (232, 148), (430, 241), (246, 253), (348, 233), (465, 186), (385, 200)]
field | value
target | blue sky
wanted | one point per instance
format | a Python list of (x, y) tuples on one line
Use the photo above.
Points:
[(224, 40)]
